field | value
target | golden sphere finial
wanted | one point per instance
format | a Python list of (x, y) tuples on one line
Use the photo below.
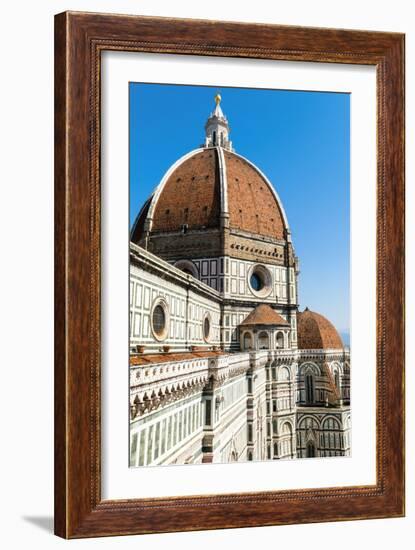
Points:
[(218, 99)]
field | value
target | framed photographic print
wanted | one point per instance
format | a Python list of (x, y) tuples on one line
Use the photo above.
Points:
[(229, 288)]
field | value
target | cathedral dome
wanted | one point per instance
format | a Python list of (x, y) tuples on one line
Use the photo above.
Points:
[(188, 194), (316, 332), (213, 187), (208, 185)]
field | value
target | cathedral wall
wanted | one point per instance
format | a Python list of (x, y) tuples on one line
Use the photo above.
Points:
[(259, 414), (233, 407), (197, 410), (219, 408), (169, 435), (230, 421), (211, 271), (340, 370), (231, 276), (232, 334), (279, 289), (320, 373), (185, 244), (228, 276), (236, 273), (323, 433), (256, 248), (281, 425), (185, 311)]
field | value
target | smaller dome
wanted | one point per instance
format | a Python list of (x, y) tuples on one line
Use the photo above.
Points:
[(316, 332), (264, 315)]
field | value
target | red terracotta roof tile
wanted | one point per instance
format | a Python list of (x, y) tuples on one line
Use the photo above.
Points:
[(316, 332), (192, 196), (153, 358), (252, 205), (264, 315)]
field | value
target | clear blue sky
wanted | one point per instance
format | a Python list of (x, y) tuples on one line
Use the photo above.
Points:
[(300, 140)]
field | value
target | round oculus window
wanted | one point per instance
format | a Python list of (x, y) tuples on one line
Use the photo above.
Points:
[(206, 328), (260, 281), (256, 282), (159, 320)]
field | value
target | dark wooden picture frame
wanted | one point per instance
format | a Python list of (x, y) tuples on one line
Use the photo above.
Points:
[(79, 40)]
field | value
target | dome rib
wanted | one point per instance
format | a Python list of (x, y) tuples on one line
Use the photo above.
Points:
[(262, 212), (191, 195), (223, 182), (138, 227), (188, 194)]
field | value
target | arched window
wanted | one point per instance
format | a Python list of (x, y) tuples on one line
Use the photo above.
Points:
[(311, 450), (247, 340), (286, 434), (284, 374), (263, 340), (250, 455), (275, 449), (280, 340), (188, 267), (309, 389), (214, 137), (331, 424)]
